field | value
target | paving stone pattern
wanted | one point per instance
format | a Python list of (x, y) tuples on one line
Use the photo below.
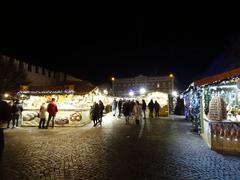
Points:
[(157, 149)]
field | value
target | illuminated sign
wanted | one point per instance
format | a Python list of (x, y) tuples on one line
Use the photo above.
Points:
[(67, 91)]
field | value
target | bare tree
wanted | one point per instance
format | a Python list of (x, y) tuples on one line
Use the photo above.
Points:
[(10, 76)]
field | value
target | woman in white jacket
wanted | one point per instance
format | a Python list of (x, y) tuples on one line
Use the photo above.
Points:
[(42, 115), (137, 111)]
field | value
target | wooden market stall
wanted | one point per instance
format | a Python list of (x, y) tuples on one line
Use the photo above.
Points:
[(73, 101), (213, 105)]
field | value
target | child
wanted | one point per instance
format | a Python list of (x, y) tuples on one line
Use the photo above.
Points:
[(42, 115)]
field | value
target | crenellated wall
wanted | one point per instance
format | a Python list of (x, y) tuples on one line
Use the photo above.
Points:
[(39, 76)]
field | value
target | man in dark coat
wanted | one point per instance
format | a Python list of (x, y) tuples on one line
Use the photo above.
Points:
[(5, 112), (151, 107), (119, 108), (126, 111), (16, 112), (101, 109), (157, 109)]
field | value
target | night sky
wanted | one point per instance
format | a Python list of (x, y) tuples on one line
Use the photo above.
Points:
[(95, 47)]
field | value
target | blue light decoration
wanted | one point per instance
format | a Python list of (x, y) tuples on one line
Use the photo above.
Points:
[(195, 112), (187, 112)]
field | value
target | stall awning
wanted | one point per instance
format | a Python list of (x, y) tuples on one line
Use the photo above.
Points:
[(217, 77), (76, 87)]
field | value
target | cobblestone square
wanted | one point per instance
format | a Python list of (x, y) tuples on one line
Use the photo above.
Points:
[(157, 149)]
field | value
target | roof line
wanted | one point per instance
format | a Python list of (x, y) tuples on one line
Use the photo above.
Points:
[(217, 77)]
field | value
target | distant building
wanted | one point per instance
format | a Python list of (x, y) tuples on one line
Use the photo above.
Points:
[(39, 76), (122, 86)]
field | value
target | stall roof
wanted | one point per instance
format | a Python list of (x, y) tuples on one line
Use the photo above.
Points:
[(217, 77), (79, 87)]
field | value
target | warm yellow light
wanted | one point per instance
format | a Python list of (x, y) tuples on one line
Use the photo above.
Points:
[(6, 95), (142, 91), (113, 78), (105, 91), (175, 93), (171, 75)]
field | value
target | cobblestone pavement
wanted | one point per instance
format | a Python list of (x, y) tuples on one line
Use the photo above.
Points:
[(158, 149)]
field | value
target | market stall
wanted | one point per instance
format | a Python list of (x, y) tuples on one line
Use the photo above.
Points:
[(74, 103), (160, 97), (213, 105)]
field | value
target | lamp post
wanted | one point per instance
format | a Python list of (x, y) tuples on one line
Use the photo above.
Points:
[(113, 79), (172, 89)]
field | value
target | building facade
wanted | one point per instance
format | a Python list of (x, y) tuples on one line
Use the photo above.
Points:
[(122, 86), (39, 76)]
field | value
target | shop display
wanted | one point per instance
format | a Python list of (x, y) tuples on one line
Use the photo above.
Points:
[(227, 131), (73, 109), (217, 109), (76, 116), (61, 122)]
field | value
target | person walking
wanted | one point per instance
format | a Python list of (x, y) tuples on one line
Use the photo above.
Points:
[(52, 111), (42, 115), (144, 107), (151, 107), (114, 106), (94, 113), (101, 109), (126, 111), (156, 108), (137, 112), (119, 108)]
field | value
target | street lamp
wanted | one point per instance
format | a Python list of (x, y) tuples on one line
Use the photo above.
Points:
[(142, 90), (172, 92), (172, 81), (113, 79), (131, 93)]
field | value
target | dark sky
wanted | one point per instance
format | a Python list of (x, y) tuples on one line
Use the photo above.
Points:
[(95, 47)]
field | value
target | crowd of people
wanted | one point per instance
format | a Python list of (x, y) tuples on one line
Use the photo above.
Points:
[(130, 109), (11, 112), (135, 110), (96, 112)]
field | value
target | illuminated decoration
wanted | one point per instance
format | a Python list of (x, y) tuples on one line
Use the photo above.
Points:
[(187, 106), (217, 109), (142, 91), (113, 78), (67, 91), (105, 92), (195, 112), (174, 93), (6, 95)]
